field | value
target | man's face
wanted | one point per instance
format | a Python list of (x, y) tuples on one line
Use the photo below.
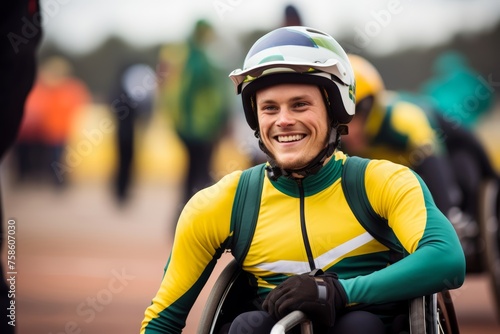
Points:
[(293, 123)]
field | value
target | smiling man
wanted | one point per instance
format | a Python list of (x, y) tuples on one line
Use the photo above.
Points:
[(309, 251)]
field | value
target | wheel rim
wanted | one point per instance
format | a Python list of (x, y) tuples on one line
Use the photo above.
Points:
[(490, 233)]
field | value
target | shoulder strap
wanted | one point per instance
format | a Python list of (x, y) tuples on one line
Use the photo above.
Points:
[(245, 210), (353, 185)]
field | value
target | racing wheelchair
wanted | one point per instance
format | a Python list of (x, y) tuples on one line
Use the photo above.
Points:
[(232, 295), (480, 233), (480, 237)]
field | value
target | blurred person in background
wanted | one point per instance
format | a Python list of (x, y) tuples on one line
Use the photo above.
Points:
[(197, 105), (408, 129), (459, 92), (291, 16), (132, 100), (18, 47), (51, 109)]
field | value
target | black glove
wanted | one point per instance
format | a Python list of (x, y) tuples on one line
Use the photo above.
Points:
[(320, 296)]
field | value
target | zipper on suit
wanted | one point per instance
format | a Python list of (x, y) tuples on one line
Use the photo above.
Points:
[(303, 227)]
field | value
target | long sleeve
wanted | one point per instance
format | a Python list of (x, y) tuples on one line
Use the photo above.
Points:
[(203, 227), (435, 261)]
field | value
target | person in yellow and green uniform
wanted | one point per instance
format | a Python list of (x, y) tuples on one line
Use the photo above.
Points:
[(200, 111), (409, 129), (309, 252)]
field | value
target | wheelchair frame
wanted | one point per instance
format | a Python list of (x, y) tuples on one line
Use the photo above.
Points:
[(489, 234), (231, 295)]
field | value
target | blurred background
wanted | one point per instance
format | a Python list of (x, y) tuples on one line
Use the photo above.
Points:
[(102, 165)]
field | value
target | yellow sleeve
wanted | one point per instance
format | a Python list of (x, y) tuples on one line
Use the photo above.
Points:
[(396, 194), (411, 120), (203, 227)]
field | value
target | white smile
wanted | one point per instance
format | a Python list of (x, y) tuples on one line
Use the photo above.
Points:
[(290, 138)]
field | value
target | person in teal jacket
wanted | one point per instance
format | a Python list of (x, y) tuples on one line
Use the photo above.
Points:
[(460, 93), (309, 252)]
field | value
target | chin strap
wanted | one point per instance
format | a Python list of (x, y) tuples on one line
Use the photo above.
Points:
[(313, 167)]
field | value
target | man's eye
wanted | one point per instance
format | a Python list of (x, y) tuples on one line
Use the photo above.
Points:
[(300, 105), (269, 108)]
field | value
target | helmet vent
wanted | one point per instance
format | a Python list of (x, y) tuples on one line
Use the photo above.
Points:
[(316, 31)]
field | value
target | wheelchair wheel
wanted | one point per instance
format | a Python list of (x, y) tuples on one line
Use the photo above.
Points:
[(447, 322), (433, 314), (490, 234), (231, 295)]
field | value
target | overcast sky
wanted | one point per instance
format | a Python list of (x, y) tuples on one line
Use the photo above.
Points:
[(79, 26)]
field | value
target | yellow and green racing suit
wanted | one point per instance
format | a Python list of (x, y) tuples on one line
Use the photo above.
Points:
[(306, 224)]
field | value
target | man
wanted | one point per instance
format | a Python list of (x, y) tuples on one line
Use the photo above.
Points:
[(308, 251)]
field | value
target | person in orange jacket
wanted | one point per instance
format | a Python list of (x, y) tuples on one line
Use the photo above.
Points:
[(51, 107)]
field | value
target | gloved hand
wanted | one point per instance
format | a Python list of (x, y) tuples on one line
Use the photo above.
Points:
[(320, 296)]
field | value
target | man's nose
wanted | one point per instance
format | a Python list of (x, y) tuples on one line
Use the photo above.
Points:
[(285, 117)]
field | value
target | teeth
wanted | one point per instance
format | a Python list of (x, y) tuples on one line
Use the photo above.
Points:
[(282, 139)]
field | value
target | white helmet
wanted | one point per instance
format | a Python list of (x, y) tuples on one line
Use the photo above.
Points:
[(298, 55)]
